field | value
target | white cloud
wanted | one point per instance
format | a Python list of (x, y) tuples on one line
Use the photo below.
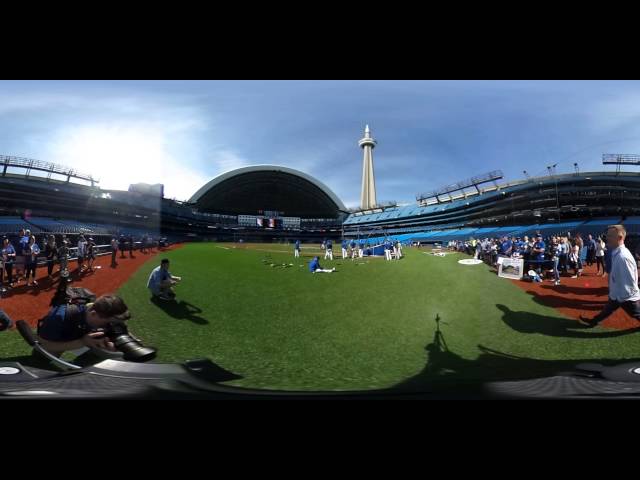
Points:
[(119, 154), (226, 159)]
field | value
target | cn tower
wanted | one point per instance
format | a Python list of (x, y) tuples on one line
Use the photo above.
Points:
[(368, 194)]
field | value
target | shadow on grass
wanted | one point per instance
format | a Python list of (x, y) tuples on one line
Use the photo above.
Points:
[(445, 369), (34, 361), (563, 302), (527, 322), (575, 290), (180, 310)]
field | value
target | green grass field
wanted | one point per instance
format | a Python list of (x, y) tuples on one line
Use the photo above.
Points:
[(371, 324)]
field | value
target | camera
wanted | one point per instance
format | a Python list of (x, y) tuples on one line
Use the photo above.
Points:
[(132, 348)]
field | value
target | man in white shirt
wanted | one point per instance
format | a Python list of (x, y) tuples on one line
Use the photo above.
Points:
[(623, 279)]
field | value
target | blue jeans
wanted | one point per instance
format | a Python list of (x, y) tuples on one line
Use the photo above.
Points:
[(556, 273)]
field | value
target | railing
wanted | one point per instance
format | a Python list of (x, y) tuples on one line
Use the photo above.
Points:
[(100, 250), (454, 187), (29, 163)]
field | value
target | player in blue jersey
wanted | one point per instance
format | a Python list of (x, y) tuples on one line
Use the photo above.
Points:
[(328, 253), (315, 267)]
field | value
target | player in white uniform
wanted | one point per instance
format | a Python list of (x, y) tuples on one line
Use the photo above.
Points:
[(328, 250)]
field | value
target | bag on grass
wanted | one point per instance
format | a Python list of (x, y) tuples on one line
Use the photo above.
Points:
[(80, 296)]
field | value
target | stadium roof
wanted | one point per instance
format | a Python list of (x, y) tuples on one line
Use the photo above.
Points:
[(249, 190)]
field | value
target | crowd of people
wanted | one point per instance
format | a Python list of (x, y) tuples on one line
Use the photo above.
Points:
[(357, 248), (558, 255), (350, 249), (22, 255)]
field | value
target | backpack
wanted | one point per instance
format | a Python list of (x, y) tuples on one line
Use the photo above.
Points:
[(80, 296)]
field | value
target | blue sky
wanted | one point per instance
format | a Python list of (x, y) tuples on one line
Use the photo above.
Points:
[(430, 133)]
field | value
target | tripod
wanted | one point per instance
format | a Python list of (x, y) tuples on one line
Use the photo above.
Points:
[(438, 339)]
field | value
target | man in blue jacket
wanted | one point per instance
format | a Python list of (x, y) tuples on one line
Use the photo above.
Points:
[(314, 266)]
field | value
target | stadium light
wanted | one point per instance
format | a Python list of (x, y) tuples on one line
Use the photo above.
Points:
[(552, 172), (454, 187), (619, 159)]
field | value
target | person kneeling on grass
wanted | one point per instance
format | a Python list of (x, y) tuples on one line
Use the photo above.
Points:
[(161, 281), (314, 266)]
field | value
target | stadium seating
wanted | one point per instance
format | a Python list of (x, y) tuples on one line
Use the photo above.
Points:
[(11, 225), (594, 227), (632, 224)]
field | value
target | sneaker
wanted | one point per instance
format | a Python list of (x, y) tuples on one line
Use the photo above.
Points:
[(556, 283), (35, 284), (575, 276), (587, 322)]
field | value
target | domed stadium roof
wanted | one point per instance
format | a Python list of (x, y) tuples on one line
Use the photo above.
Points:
[(251, 189)]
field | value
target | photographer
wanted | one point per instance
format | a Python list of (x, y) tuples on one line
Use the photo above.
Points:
[(161, 281), (70, 327)]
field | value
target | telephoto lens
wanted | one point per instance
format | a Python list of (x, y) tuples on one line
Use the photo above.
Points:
[(131, 348)]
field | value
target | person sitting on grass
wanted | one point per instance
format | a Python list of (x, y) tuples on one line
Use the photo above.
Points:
[(314, 266), (161, 281)]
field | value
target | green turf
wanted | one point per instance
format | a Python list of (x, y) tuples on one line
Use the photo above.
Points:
[(369, 325)]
